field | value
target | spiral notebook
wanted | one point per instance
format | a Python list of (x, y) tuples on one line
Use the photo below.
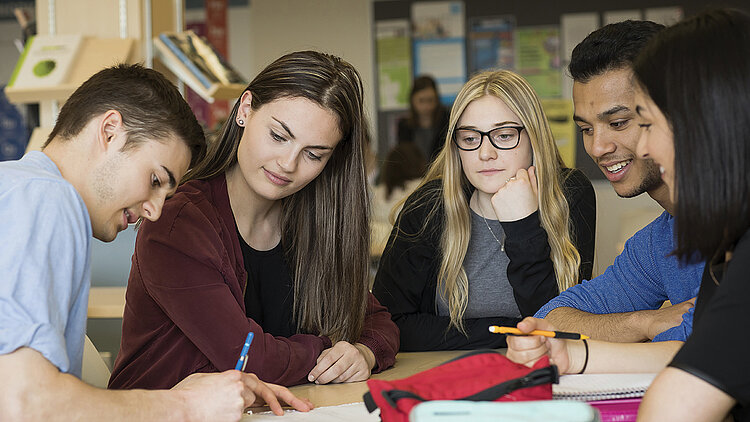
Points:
[(591, 387)]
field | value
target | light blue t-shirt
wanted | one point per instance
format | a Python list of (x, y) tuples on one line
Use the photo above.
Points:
[(642, 277), (45, 236)]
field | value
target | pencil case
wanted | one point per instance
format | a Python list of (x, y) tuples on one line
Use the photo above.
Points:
[(482, 375)]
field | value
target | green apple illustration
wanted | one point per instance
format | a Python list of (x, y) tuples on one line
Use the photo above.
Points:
[(44, 68)]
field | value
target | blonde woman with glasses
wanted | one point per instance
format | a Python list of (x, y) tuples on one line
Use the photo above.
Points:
[(497, 228)]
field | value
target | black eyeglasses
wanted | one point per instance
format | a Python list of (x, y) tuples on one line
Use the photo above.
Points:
[(506, 137)]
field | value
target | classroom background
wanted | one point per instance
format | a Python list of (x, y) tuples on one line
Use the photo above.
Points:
[(389, 42)]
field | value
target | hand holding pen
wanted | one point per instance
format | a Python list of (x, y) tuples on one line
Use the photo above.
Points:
[(267, 393)]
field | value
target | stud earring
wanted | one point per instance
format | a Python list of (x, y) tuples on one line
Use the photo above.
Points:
[(240, 122)]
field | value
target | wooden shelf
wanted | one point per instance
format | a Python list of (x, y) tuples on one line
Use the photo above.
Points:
[(94, 55)]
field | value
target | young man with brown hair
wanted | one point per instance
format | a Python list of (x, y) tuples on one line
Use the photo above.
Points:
[(121, 144)]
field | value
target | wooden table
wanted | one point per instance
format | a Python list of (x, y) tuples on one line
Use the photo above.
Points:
[(406, 364), (106, 302)]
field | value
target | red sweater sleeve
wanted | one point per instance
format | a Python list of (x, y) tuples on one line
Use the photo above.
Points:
[(182, 265), (380, 334)]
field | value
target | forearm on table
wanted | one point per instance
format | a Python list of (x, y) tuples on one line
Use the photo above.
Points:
[(382, 347), (33, 389), (608, 357), (624, 327)]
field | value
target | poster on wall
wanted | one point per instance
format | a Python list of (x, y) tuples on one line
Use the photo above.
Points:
[(560, 117), (439, 45), (394, 64), (538, 58), (491, 43)]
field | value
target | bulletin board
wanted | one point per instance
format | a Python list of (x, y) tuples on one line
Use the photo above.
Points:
[(496, 32)]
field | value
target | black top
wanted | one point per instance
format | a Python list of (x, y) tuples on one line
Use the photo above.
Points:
[(406, 282), (269, 297), (406, 131), (717, 350)]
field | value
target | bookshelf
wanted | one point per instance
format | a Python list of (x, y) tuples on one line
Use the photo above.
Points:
[(113, 30), (206, 72)]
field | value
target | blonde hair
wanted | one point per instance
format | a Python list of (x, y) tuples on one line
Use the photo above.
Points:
[(517, 94)]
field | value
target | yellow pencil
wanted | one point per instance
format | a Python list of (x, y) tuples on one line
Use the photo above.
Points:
[(555, 334)]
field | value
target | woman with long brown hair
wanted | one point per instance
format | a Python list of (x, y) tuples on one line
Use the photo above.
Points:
[(269, 235)]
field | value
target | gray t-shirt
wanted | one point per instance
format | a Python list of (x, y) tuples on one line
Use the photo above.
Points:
[(486, 266)]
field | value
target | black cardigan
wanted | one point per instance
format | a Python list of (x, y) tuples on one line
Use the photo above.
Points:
[(406, 280)]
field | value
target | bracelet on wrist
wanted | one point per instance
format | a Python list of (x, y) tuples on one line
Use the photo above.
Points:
[(586, 359)]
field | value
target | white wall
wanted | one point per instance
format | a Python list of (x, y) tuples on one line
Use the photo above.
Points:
[(9, 31), (339, 27), (616, 220)]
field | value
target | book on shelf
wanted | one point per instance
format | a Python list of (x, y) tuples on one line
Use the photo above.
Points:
[(46, 61), (197, 63)]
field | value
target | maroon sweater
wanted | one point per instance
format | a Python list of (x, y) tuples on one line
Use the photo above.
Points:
[(185, 308)]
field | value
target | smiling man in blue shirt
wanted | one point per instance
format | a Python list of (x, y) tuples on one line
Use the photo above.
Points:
[(623, 304)]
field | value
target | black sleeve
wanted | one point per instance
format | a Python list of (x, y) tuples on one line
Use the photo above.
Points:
[(406, 284), (431, 332), (530, 270), (582, 203), (716, 351)]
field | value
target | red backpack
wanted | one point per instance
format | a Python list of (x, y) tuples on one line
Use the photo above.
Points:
[(481, 375)]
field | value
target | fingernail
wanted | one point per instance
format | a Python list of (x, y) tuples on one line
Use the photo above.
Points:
[(310, 378)]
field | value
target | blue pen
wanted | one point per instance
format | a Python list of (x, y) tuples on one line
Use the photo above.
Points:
[(242, 361)]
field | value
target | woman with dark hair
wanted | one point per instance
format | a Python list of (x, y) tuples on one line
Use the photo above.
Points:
[(427, 121), (268, 235), (693, 106)]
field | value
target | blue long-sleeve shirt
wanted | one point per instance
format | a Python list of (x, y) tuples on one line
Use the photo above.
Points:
[(642, 277)]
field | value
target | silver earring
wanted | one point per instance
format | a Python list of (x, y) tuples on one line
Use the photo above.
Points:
[(240, 122)]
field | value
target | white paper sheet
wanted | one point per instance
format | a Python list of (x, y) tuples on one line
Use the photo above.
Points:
[(342, 413)]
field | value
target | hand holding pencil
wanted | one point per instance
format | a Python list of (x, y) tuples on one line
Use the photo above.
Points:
[(531, 345)]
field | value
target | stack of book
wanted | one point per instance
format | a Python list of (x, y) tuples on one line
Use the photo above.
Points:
[(192, 59)]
